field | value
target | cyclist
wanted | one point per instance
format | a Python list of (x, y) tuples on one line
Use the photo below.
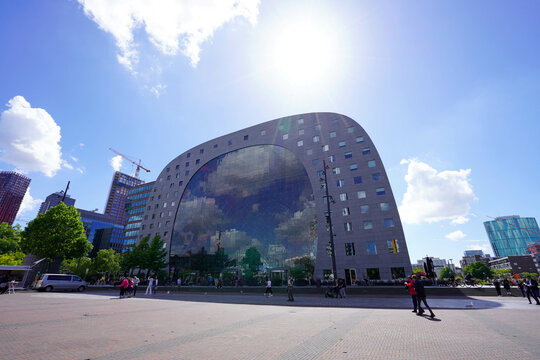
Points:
[(468, 278)]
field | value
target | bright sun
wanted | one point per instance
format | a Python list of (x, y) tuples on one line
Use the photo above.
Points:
[(302, 53)]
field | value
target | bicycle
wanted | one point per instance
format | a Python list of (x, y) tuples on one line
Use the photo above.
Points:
[(474, 283)]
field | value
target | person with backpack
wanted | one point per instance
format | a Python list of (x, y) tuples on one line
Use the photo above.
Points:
[(421, 297)]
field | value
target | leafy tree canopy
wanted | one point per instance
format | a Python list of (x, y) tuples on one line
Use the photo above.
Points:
[(13, 258), (78, 266), (106, 261), (500, 273), (252, 258), (10, 238), (447, 273), (478, 270), (154, 258), (59, 233)]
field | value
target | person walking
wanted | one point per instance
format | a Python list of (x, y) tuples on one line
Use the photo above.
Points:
[(290, 284), (268, 292), (421, 297), (521, 288), (497, 285), (506, 285), (150, 285), (179, 282), (124, 285), (154, 285), (532, 289), (410, 284), (136, 282), (341, 286)]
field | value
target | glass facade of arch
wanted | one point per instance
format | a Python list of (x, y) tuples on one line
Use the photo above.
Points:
[(244, 213)]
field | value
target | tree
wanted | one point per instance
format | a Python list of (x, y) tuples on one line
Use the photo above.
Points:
[(154, 256), (478, 270), (106, 261), (12, 258), (59, 233), (500, 273), (134, 258), (78, 266), (252, 258), (10, 238), (417, 270), (447, 273)]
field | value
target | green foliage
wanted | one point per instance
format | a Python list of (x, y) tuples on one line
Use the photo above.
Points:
[(106, 261), (523, 275), (59, 233), (478, 270), (447, 273), (500, 273), (417, 270), (78, 266), (10, 238), (12, 258), (304, 268), (146, 256), (252, 259)]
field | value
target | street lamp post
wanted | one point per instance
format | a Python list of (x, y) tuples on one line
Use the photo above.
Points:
[(329, 220)]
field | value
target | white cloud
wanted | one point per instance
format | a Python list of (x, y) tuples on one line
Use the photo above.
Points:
[(29, 204), (434, 196), (81, 144), (459, 220), (73, 158), (116, 162), (30, 138), (172, 26), (486, 248), (158, 89), (456, 235), (80, 170)]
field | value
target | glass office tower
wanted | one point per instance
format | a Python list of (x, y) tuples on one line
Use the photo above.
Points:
[(510, 235)]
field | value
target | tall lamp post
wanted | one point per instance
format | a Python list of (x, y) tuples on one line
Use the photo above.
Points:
[(329, 220)]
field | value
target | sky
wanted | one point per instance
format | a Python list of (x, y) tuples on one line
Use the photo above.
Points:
[(449, 92)]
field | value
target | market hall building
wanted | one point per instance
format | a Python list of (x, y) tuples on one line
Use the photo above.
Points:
[(263, 188)]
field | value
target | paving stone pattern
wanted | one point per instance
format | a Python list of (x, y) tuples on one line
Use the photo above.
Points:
[(196, 326)]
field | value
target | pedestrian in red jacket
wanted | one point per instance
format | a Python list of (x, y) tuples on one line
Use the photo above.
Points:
[(410, 285)]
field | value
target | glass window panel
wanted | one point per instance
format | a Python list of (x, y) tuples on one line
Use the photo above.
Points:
[(368, 225), (348, 155), (360, 139), (336, 171), (371, 163), (333, 134), (361, 194), (380, 191), (325, 148), (346, 211), (353, 167), (309, 151), (350, 130), (343, 197), (331, 158), (371, 248), (366, 151), (301, 132), (316, 138), (300, 143), (389, 222), (357, 179), (342, 144), (376, 176), (349, 249), (341, 183), (364, 209), (385, 206), (285, 136)]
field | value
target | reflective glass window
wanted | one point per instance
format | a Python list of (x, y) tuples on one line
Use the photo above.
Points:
[(301, 132), (316, 138), (341, 183), (371, 163), (246, 137), (385, 206), (376, 176), (389, 222), (353, 167), (336, 171), (300, 143), (342, 144), (343, 197), (332, 134), (346, 211), (349, 249), (263, 132), (371, 248), (285, 136), (368, 225), (364, 209), (348, 155), (350, 130), (360, 139), (309, 151), (357, 179), (331, 158), (325, 148), (380, 191), (366, 151)]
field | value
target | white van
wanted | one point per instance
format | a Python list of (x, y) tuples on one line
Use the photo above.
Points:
[(50, 282)]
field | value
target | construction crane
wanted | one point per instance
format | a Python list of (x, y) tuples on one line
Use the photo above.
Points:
[(139, 166)]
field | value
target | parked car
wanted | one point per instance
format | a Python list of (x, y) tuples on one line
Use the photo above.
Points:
[(50, 282)]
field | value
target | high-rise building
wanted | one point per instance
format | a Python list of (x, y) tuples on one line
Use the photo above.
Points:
[(262, 190), (102, 231), (473, 253), (12, 190), (135, 206), (116, 201), (510, 235), (55, 199)]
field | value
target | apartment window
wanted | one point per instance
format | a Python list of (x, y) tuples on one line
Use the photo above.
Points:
[(177, 167), (171, 185), (353, 167), (142, 227), (180, 183), (263, 132), (164, 204), (170, 213), (357, 179), (188, 155), (175, 193), (145, 217), (350, 130), (229, 142), (300, 132), (393, 246), (187, 164), (148, 207), (161, 214), (316, 138), (309, 151), (348, 226), (349, 249), (315, 162), (331, 158), (333, 134), (215, 146), (325, 148), (172, 203), (371, 248), (389, 222), (380, 191), (159, 197), (343, 197), (246, 137), (371, 163), (336, 171), (177, 175), (167, 223), (153, 216), (159, 224), (398, 272), (335, 121), (151, 226), (342, 144), (317, 127), (320, 174), (201, 151), (364, 209), (300, 143), (348, 155), (165, 233), (300, 121), (157, 206), (385, 206), (168, 177), (197, 162), (366, 151), (186, 173), (346, 211), (341, 183), (376, 176), (368, 225), (285, 136), (151, 198), (168, 169)]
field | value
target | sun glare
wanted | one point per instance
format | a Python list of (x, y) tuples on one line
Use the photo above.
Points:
[(302, 53)]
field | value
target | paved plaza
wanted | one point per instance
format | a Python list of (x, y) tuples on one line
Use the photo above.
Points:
[(100, 326)]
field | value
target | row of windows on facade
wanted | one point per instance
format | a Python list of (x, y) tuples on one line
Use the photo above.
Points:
[(392, 247), (367, 224), (372, 273), (364, 209), (359, 194), (139, 189)]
